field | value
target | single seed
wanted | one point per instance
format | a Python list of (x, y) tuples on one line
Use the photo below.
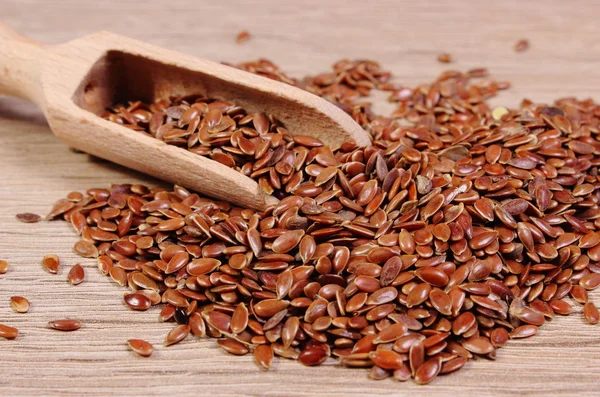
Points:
[(445, 58), (51, 263), (28, 217), (522, 45), (65, 325), (19, 304), (76, 275), (141, 347), (3, 266), (177, 334), (7, 332)]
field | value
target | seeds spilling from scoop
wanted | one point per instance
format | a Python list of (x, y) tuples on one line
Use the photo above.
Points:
[(459, 228)]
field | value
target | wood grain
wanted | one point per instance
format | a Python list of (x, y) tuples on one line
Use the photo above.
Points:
[(303, 37)]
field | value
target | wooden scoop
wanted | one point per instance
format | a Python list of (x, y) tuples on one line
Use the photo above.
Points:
[(74, 83)]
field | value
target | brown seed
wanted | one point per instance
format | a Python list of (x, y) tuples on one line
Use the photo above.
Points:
[(478, 345), (137, 301), (28, 217), (65, 325), (85, 249), (287, 241), (590, 281), (141, 347), (239, 319), (3, 266), (428, 371), (7, 332), (19, 304), (590, 312), (51, 263), (269, 307), (524, 331), (445, 58), (76, 275), (177, 334), (313, 355), (233, 347), (522, 45), (263, 356), (386, 359)]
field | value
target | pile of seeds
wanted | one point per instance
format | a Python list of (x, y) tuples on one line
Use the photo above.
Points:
[(459, 228)]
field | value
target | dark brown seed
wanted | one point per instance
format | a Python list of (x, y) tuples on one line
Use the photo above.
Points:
[(65, 325), (7, 332), (19, 304), (28, 217), (141, 347), (76, 275)]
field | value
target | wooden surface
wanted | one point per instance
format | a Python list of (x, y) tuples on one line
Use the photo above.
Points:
[(304, 37)]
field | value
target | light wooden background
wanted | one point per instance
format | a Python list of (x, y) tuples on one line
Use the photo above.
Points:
[(303, 37)]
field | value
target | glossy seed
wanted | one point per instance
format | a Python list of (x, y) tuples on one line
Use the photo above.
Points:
[(51, 263), (65, 325), (141, 347), (76, 275), (19, 304)]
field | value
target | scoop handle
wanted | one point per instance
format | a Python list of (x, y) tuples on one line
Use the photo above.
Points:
[(20, 62)]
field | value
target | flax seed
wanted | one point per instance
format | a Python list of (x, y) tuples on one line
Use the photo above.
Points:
[(141, 347)]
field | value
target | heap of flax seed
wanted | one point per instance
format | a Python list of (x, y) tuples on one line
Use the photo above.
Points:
[(459, 228)]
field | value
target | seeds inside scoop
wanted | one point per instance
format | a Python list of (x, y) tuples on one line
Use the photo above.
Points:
[(461, 227)]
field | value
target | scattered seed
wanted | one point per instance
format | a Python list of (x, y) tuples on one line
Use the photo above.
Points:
[(51, 263), (445, 58), (141, 347), (242, 36), (65, 325), (177, 334), (590, 312), (19, 304), (28, 217), (8, 332), (76, 275), (522, 45), (3, 266)]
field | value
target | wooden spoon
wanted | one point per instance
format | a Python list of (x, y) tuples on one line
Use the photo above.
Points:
[(74, 83)]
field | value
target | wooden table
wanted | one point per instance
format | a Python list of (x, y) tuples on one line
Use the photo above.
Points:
[(303, 37)]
